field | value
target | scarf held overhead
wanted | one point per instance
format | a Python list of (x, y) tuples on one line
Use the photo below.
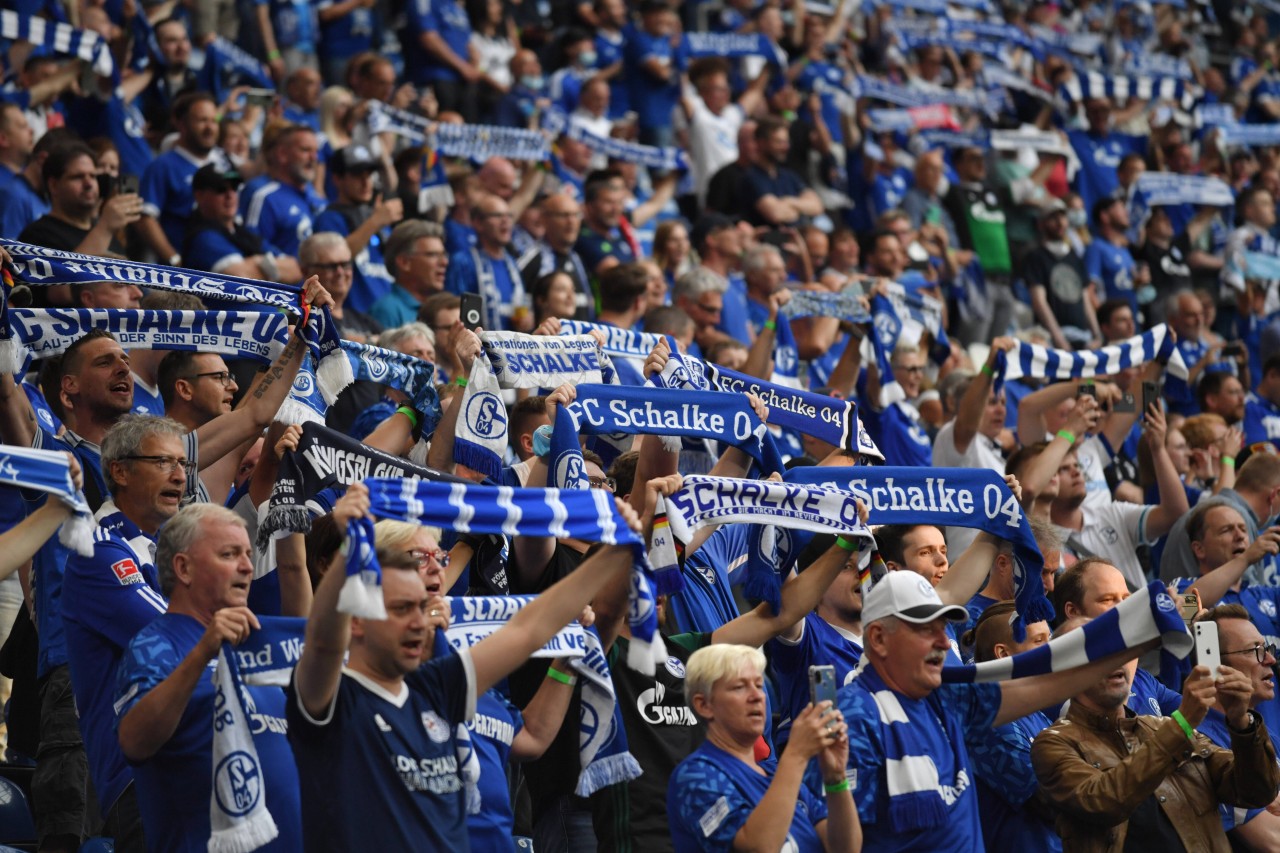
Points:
[(49, 472), (975, 498), (1038, 362), (587, 514)]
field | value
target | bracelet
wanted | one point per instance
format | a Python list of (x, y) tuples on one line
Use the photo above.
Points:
[(988, 370), (1068, 435), (461, 382), (409, 413), (564, 678), (771, 325), (1186, 727), (1229, 460), (273, 55), (838, 787), (841, 542)]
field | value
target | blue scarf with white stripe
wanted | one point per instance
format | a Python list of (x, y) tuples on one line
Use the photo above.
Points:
[(586, 514), (1037, 362), (976, 498), (59, 38), (49, 472), (1093, 84)]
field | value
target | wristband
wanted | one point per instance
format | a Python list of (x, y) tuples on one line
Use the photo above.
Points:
[(273, 55), (564, 678), (409, 413), (771, 325), (988, 370), (841, 542), (1229, 460), (1068, 435), (461, 382), (839, 787), (1186, 727)]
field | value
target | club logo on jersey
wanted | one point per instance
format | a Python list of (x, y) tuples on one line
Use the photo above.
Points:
[(676, 667), (127, 571), (437, 728), (237, 784)]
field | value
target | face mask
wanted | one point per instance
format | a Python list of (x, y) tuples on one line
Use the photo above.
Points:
[(531, 81), (587, 59), (1076, 218)]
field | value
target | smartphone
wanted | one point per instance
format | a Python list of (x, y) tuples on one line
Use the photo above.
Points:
[(263, 98), (1125, 404), (472, 310), (1189, 607), (1232, 350), (1208, 652), (127, 185), (1150, 396), (822, 684), (1087, 389)]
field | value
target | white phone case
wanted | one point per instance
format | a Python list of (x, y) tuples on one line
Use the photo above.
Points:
[(1207, 651)]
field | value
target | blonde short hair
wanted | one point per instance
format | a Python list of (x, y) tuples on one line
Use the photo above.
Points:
[(392, 538), (710, 664)]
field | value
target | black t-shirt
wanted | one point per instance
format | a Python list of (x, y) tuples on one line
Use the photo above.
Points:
[(1150, 830), (662, 730), (555, 774), (54, 233), (1064, 279), (1170, 271), (724, 191)]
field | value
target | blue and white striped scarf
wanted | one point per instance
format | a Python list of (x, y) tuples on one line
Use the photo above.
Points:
[(865, 86), (703, 501), (587, 514), (1147, 614), (237, 824), (49, 471), (616, 409), (234, 63), (1037, 362), (649, 156), (476, 142), (1253, 135), (977, 498), (626, 348), (602, 748), (1163, 188), (903, 316), (515, 360), (60, 38), (1094, 84)]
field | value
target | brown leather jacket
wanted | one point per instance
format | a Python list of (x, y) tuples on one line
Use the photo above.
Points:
[(1096, 772)]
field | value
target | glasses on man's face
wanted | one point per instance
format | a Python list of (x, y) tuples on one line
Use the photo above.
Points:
[(166, 464), (913, 368), (424, 254), (336, 266), (607, 483), (222, 376), (710, 309), (426, 558), (1260, 651)]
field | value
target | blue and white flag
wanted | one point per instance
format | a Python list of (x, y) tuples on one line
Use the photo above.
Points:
[(587, 514), (1038, 362), (976, 498), (49, 472), (703, 501), (1146, 615)]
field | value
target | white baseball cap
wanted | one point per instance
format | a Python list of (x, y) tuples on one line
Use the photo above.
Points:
[(911, 598)]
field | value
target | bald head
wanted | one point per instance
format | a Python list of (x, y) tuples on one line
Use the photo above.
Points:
[(498, 176)]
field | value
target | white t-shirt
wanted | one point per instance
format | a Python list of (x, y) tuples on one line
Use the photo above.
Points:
[(1113, 532), (982, 452), (713, 142)]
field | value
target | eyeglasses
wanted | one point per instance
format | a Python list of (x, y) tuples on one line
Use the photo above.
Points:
[(1260, 651), (710, 309), (345, 266), (423, 254), (915, 368), (166, 464), (426, 558), (607, 483), (222, 376)]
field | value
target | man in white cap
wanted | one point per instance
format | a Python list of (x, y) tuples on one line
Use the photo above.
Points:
[(914, 782)]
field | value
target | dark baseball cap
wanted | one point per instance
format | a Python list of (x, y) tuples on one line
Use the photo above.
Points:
[(353, 159), (216, 178)]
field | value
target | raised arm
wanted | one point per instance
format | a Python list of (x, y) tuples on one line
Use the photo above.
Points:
[(319, 670), (974, 402), (1173, 498), (501, 652), (1217, 583), (1021, 696)]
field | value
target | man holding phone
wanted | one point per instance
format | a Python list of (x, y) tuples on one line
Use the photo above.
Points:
[(78, 221)]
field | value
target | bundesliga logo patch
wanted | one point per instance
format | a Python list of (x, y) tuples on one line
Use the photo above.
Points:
[(127, 571)]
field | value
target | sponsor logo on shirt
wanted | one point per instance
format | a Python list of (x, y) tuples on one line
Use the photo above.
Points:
[(437, 728), (127, 571)]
